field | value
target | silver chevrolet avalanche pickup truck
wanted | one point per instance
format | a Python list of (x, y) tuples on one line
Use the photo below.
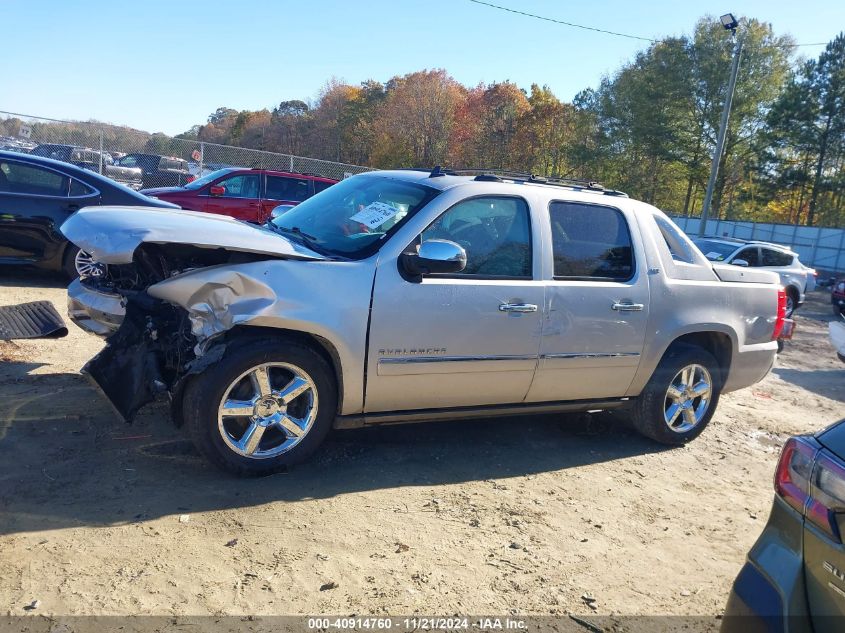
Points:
[(413, 295)]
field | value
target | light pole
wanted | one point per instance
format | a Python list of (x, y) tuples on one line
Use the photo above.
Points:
[(730, 23)]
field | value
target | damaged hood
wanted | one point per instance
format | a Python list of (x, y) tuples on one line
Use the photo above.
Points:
[(112, 233)]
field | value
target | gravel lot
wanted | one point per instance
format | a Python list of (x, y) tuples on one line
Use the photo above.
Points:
[(515, 515)]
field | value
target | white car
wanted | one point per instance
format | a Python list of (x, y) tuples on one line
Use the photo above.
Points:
[(797, 278)]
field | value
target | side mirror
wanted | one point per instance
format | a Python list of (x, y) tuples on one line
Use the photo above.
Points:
[(217, 190), (435, 256), (740, 262), (280, 211)]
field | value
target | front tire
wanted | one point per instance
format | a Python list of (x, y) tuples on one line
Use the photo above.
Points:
[(268, 404), (681, 396), (78, 263)]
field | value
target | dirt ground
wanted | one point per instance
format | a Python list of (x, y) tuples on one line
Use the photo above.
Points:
[(521, 516)]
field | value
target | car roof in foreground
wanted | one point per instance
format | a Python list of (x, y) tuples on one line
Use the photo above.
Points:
[(833, 438)]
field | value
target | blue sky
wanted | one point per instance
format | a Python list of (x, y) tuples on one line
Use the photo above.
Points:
[(163, 65)]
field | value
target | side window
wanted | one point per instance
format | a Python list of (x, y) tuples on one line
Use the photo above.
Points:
[(79, 189), (280, 188), (495, 232), (242, 186), (20, 178), (776, 258), (590, 242), (749, 255)]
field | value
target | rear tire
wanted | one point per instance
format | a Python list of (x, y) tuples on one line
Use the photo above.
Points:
[(69, 262), (288, 430), (675, 407), (791, 301)]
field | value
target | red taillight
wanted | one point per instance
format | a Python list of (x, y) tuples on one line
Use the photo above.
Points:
[(792, 477), (191, 178), (781, 317), (813, 482)]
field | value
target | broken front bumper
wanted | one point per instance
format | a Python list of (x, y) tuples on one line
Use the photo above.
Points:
[(97, 312)]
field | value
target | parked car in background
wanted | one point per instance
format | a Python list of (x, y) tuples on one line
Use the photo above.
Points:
[(91, 159), (244, 194), (13, 144), (793, 274), (794, 576), (837, 296), (159, 171), (409, 295), (37, 195), (836, 331)]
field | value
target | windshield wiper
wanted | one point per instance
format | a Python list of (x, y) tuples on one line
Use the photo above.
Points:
[(304, 238), (297, 231)]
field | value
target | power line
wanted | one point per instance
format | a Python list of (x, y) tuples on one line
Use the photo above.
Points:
[(598, 30), (577, 26)]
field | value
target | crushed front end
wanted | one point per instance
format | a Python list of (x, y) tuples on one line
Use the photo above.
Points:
[(149, 348)]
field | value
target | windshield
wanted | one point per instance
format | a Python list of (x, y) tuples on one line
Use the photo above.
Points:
[(715, 251), (351, 218), (199, 183)]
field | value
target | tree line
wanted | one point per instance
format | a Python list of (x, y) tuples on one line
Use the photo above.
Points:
[(648, 129)]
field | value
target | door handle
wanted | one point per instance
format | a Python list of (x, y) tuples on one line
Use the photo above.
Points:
[(627, 307), (517, 307)]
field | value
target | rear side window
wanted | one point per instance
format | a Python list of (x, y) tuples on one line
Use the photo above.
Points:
[(320, 185), (280, 188), (28, 179), (590, 242), (749, 255), (776, 258), (79, 189)]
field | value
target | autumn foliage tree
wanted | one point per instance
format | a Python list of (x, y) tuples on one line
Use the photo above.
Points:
[(648, 128)]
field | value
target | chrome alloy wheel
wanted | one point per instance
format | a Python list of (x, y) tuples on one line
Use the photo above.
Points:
[(267, 410), (87, 266), (688, 398)]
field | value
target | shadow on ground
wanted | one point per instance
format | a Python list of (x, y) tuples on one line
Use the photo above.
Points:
[(829, 383), (28, 277), (69, 463)]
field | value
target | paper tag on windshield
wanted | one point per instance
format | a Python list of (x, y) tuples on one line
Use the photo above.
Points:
[(713, 256), (375, 214)]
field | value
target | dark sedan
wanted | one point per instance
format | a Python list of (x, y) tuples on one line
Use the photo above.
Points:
[(37, 195), (794, 578)]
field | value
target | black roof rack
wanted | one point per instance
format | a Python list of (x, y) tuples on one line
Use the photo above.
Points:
[(501, 175)]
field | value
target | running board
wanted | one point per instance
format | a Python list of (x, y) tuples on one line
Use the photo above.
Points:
[(359, 420)]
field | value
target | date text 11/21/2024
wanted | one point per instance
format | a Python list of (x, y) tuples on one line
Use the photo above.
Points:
[(417, 623)]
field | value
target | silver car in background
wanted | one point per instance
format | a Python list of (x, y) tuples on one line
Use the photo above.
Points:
[(797, 278)]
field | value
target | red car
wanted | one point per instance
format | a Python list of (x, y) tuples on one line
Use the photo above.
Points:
[(244, 194)]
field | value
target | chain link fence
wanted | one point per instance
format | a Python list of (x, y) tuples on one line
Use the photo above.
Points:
[(143, 160)]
